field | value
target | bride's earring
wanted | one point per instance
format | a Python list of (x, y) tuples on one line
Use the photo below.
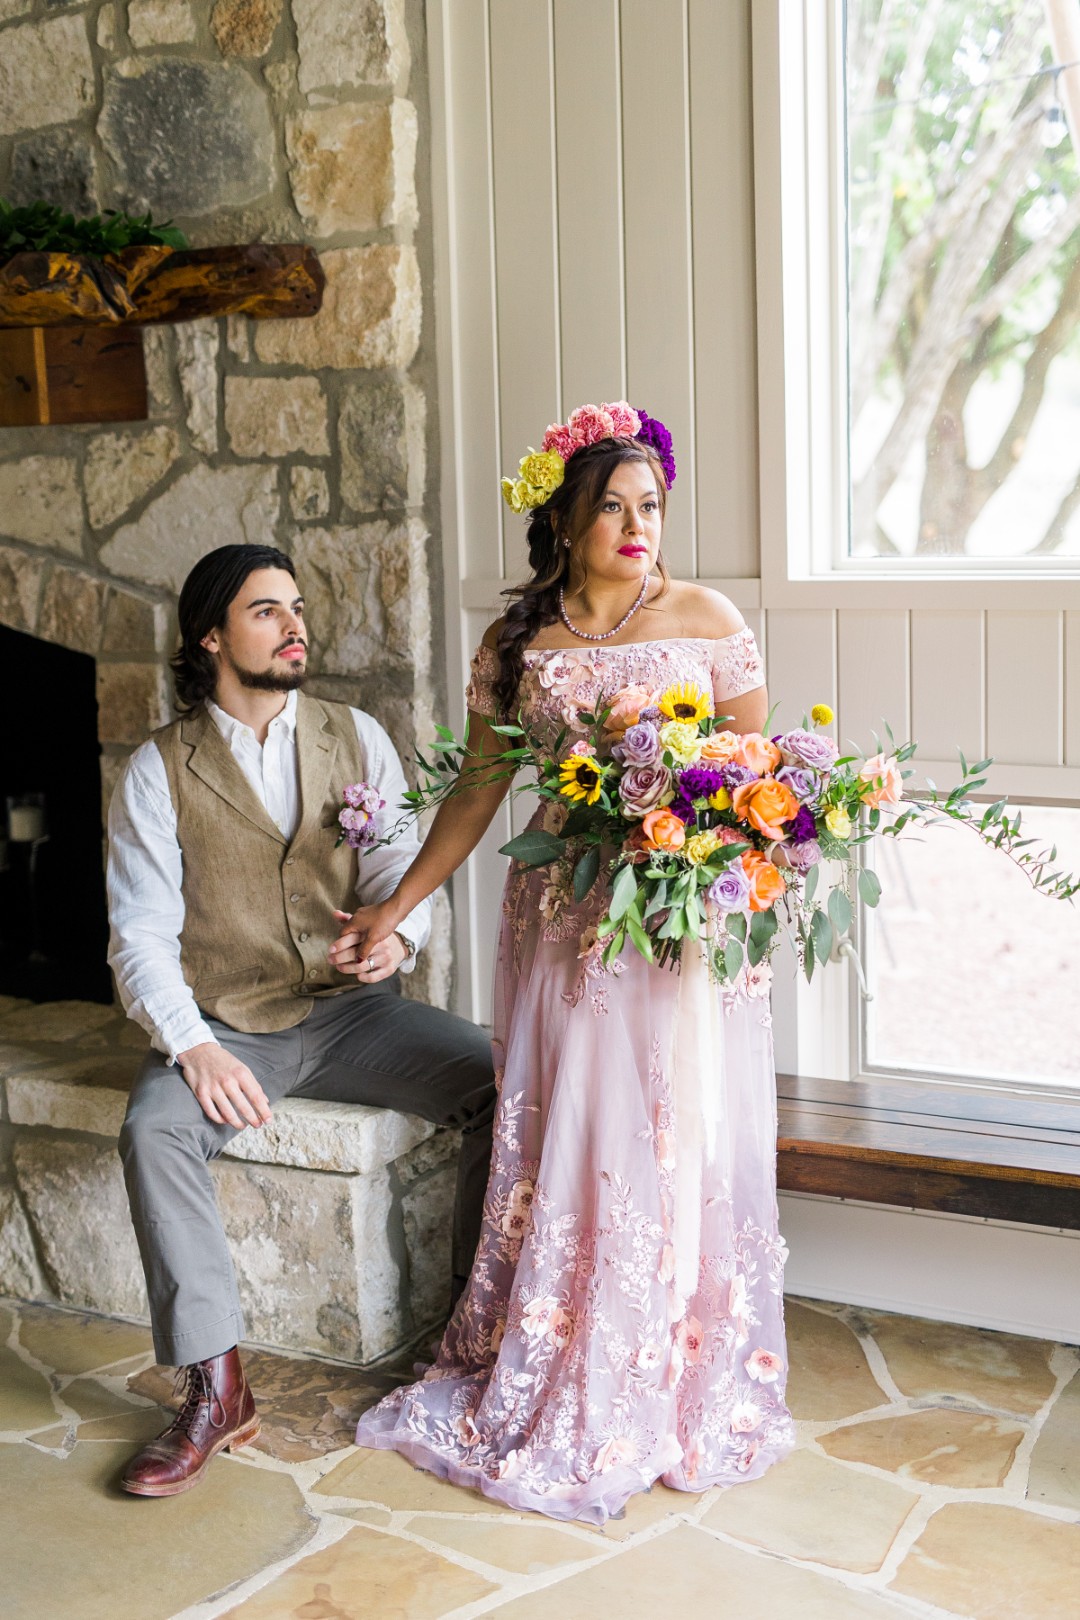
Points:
[(566, 542)]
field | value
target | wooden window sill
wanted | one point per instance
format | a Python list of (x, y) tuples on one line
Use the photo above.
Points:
[(952, 1148)]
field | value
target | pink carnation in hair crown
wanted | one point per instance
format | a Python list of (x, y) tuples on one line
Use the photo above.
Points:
[(591, 423)]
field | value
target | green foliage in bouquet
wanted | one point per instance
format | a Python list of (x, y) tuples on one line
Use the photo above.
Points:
[(40, 228)]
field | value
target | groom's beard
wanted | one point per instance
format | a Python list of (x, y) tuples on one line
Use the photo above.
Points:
[(285, 678)]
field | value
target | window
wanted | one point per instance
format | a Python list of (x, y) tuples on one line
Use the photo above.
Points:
[(973, 974), (963, 282)]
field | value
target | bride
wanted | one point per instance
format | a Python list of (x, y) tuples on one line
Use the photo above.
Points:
[(623, 1322)]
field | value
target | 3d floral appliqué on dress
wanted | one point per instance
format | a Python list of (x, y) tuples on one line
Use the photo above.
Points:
[(624, 1318)]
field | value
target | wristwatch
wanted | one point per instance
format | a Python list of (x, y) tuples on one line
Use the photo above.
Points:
[(408, 944)]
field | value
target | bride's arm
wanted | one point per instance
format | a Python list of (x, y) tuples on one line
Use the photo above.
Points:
[(460, 823)]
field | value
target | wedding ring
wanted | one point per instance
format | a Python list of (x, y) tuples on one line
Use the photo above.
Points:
[(371, 964)]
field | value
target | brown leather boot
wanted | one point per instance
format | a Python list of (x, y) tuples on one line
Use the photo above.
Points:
[(218, 1414)]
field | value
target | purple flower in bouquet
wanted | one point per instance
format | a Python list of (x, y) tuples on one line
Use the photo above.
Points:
[(803, 856), (640, 745), (357, 816), (804, 783), (653, 433), (731, 890), (734, 776), (644, 788), (651, 713), (699, 782), (807, 748), (802, 828)]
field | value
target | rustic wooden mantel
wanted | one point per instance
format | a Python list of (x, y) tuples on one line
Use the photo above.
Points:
[(70, 327)]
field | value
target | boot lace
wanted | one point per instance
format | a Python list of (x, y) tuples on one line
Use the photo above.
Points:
[(200, 1389)]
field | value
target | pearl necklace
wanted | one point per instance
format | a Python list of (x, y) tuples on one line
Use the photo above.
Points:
[(587, 635)]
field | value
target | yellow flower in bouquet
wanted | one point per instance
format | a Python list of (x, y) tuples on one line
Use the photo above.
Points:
[(700, 845), (720, 800), (682, 740), (685, 702), (581, 778), (821, 714), (838, 821)]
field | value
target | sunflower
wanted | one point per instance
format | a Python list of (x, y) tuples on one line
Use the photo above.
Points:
[(686, 702), (581, 778)]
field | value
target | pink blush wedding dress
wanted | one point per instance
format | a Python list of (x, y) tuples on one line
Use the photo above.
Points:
[(623, 1322)]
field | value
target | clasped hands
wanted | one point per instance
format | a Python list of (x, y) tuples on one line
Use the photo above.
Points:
[(225, 1088)]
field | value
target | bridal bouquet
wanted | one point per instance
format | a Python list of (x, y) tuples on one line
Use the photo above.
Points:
[(707, 835)]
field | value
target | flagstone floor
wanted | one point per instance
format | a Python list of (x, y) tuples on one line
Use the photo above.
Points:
[(937, 1474)]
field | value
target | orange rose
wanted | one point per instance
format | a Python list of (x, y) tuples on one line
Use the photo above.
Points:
[(720, 748), (757, 753), (766, 882), (663, 831), (765, 805)]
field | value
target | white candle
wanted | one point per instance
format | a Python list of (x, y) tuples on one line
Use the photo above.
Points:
[(26, 822)]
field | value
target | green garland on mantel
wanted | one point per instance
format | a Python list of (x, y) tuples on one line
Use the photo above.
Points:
[(41, 228)]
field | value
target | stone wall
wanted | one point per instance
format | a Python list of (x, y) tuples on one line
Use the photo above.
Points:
[(243, 120)]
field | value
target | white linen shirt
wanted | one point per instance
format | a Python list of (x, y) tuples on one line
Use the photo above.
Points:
[(145, 867)]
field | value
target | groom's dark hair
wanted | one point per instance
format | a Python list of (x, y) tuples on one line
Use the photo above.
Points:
[(212, 585)]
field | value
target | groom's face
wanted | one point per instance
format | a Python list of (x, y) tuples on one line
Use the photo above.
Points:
[(263, 641)]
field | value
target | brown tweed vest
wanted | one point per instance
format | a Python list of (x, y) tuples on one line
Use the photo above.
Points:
[(259, 909)]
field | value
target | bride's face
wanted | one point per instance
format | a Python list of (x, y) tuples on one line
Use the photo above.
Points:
[(623, 540)]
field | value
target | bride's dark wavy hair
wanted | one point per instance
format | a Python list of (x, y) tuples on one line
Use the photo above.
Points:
[(570, 512)]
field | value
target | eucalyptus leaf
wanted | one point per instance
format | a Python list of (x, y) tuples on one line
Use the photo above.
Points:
[(869, 887), (585, 873), (736, 924), (810, 886), (733, 958), (622, 893), (840, 911), (822, 936), (534, 848)]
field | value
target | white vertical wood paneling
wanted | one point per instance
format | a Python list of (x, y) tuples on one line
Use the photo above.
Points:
[(725, 337), (1070, 685), (588, 144), (659, 296), (873, 669), (473, 403), (1024, 687), (526, 233), (800, 663), (948, 683)]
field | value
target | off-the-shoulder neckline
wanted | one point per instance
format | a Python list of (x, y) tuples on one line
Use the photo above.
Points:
[(625, 646)]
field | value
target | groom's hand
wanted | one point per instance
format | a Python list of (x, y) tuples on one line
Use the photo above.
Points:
[(225, 1089), (368, 947)]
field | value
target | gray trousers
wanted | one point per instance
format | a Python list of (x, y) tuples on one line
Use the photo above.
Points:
[(366, 1046)]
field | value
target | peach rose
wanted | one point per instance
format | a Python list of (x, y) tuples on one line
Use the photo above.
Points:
[(626, 707), (885, 771), (757, 753), (662, 830), (766, 882), (766, 805), (720, 748)]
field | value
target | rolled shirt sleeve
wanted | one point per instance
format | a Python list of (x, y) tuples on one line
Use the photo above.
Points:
[(146, 908), (381, 870)]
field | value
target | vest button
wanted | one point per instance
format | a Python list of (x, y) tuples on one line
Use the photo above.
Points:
[(312, 973), (303, 937), (290, 860), (294, 898)]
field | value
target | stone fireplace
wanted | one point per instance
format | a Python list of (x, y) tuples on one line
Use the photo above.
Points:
[(300, 122)]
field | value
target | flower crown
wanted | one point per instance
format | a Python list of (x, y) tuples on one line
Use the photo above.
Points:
[(542, 471)]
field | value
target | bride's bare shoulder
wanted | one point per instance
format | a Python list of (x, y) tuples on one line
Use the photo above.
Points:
[(702, 612), (490, 638)]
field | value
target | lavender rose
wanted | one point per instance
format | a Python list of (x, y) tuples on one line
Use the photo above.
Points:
[(731, 890), (803, 856), (807, 748), (640, 745), (644, 788), (805, 784)]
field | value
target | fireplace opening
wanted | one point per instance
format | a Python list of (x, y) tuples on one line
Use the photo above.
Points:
[(53, 916)]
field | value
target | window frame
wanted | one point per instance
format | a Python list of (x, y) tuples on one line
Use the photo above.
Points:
[(799, 157)]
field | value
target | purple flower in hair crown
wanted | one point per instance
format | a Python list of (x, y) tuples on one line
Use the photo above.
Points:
[(653, 433)]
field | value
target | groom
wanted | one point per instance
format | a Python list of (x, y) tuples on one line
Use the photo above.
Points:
[(226, 887)]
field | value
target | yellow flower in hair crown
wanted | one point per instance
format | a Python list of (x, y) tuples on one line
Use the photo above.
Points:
[(542, 471)]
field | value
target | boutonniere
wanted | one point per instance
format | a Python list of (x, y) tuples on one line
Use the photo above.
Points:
[(357, 816)]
